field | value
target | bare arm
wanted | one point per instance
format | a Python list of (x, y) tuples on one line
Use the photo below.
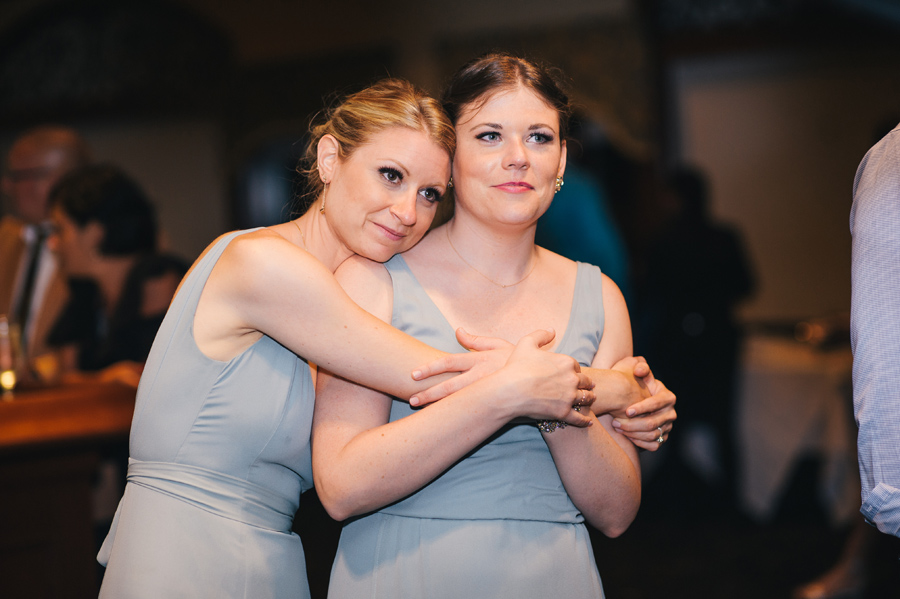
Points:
[(362, 462), (262, 284), (598, 466), (642, 407)]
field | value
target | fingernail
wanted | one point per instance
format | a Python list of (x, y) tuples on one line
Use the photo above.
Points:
[(616, 424), (630, 412), (413, 401), (417, 374)]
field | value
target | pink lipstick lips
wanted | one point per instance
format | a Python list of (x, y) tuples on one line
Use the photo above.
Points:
[(515, 186)]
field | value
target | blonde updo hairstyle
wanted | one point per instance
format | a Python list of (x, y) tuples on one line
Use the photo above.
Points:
[(387, 103)]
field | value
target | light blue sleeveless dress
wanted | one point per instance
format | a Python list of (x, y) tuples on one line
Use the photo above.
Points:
[(498, 523), (219, 457)]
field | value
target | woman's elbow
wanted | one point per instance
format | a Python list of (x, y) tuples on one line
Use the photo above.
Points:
[(343, 501), (334, 498), (614, 523), (332, 508), (614, 529)]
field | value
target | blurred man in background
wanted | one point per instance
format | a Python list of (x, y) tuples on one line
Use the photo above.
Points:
[(32, 290)]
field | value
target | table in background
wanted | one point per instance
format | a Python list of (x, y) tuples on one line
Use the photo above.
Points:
[(794, 402), (51, 439)]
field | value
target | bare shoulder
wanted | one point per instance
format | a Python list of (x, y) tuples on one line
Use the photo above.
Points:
[(357, 269), (611, 291), (553, 258), (260, 246), (265, 259), (561, 268), (615, 343), (368, 283)]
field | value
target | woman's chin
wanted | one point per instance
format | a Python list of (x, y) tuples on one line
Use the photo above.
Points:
[(380, 253)]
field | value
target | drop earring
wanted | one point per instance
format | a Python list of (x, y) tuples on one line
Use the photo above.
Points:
[(559, 184)]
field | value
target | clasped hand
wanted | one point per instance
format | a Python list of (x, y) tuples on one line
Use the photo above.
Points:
[(649, 407), (651, 414), (544, 385)]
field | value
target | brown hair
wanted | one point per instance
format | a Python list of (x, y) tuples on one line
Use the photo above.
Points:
[(499, 71), (388, 103)]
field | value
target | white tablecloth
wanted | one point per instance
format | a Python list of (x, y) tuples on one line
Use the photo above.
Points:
[(793, 403)]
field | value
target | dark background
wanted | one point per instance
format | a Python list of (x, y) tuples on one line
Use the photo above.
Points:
[(206, 103)]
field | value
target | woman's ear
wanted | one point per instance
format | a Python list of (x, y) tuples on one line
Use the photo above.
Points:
[(562, 160), (328, 154)]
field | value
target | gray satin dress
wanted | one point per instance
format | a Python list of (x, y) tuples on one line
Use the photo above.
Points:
[(219, 457), (498, 523)]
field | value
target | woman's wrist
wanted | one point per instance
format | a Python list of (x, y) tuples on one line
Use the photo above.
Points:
[(615, 391)]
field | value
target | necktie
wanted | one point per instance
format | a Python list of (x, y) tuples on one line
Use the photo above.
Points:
[(23, 308)]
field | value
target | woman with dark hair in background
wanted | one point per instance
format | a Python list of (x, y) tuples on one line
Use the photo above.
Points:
[(480, 503), (106, 240)]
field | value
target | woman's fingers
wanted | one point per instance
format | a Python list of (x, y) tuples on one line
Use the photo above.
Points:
[(648, 445), (540, 337), (641, 368), (643, 424), (448, 363), (442, 390), (642, 433), (479, 342), (578, 419), (654, 403), (661, 399), (585, 395)]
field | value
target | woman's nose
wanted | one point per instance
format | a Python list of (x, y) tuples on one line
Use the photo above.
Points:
[(516, 156), (405, 209)]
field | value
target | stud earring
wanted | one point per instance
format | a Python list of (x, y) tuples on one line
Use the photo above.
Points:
[(559, 184)]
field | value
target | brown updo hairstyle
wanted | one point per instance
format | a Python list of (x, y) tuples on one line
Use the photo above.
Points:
[(479, 79), (387, 103)]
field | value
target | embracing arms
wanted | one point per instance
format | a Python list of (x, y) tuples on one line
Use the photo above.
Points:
[(361, 461), (262, 284), (600, 468), (642, 407)]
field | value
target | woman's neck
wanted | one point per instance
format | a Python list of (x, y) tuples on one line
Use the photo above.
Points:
[(314, 234), (110, 273), (505, 256)]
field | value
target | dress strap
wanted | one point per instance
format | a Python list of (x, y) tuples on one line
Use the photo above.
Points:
[(220, 494)]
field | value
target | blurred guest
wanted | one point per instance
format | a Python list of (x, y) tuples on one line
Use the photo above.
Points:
[(120, 285), (875, 329), (699, 272), (32, 291)]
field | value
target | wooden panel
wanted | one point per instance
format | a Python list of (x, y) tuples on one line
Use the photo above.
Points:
[(51, 440), (72, 413)]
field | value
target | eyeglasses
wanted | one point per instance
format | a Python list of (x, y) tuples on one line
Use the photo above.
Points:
[(29, 174)]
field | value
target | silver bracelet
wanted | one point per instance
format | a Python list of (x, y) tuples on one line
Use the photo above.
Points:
[(548, 426)]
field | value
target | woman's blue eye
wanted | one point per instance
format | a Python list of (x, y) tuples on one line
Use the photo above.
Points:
[(489, 136), (391, 174), (541, 138)]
